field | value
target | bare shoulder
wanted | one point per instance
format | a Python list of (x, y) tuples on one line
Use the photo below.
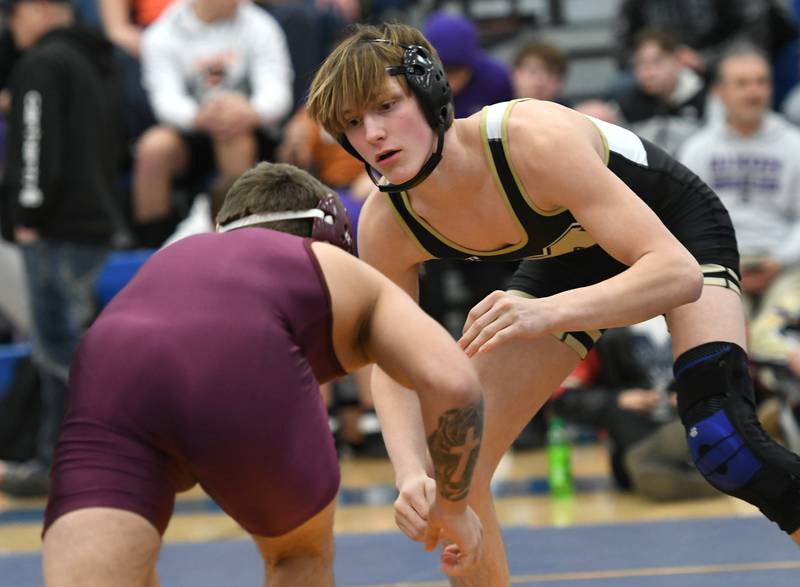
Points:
[(334, 260), (383, 242), (548, 143), (539, 125), (348, 279)]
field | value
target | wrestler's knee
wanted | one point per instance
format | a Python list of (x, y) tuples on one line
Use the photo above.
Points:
[(728, 445)]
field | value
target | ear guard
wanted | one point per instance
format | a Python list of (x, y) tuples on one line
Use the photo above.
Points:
[(331, 222), (427, 79)]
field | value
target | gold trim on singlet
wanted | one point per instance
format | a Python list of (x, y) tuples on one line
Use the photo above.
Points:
[(453, 245), (507, 150), (407, 228), (728, 279), (442, 238), (604, 138)]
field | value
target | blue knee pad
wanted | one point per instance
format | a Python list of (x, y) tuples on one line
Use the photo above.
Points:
[(728, 445)]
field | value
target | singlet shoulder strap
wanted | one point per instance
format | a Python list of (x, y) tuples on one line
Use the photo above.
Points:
[(427, 243), (494, 131)]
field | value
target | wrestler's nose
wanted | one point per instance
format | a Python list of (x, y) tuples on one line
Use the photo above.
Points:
[(374, 128)]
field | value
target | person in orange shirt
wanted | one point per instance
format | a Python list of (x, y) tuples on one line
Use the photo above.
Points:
[(307, 145)]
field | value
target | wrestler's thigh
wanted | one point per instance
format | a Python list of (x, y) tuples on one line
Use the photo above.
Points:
[(312, 537), (717, 316), (100, 546), (518, 378)]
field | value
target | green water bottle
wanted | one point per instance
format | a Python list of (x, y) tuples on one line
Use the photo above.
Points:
[(559, 474)]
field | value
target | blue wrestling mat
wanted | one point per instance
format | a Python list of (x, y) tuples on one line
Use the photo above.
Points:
[(715, 552)]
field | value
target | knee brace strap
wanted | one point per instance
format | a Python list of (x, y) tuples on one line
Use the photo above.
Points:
[(728, 445)]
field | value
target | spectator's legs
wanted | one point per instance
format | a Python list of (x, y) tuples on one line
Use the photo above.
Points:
[(236, 155), (100, 546), (303, 556), (13, 293), (660, 466), (161, 154), (61, 278), (767, 341)]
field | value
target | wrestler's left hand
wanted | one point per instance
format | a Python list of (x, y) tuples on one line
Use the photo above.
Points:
[(500, 317), (415, 497)]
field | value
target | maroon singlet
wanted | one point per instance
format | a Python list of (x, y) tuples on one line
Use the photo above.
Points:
[(204, 369)]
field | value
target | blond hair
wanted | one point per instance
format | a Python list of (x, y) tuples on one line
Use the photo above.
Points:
[(352, 77)]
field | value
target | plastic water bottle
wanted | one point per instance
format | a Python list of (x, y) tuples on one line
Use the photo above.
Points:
[(559, 474)]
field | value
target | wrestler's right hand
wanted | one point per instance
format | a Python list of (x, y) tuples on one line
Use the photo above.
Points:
[(417, 494), (460, 532)]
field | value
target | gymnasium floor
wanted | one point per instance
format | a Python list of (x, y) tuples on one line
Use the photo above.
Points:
[(598, 538)]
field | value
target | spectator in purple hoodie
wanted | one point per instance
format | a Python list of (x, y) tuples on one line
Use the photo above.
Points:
[(476, 78)]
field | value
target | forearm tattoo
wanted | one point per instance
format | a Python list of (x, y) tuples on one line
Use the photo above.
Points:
[(454, 447)]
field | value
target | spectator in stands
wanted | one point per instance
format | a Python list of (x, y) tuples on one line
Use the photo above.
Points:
[(312, 29), (705, 28), (668, 101), (775, 351), (306, 145), (623, 387), (775, 333), (750, 161), (476, 79), (310, 32), (123, 22), (539, 71), (58, 195), (220, 83), (14, 300)]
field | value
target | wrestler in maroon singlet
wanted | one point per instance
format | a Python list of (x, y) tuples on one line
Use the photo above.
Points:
[(205, 369)]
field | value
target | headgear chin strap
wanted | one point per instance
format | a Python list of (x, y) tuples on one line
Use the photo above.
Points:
[(427, 80), (331, 222), (423, 173)]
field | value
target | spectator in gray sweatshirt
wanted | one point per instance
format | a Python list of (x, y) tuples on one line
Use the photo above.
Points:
[(749, 158), (219, 78)]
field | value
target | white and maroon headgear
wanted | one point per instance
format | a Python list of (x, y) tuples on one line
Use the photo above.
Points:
[(331, 221)]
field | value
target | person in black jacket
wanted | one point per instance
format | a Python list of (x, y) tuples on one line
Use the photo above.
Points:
[(58, 194), (668, 101), (705, 28)]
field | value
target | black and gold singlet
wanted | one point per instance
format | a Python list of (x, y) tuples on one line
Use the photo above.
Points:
[(546, 233)]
